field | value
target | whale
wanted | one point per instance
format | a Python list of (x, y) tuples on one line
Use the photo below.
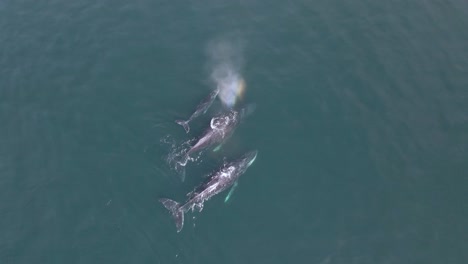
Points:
[(221, 128), (217, 182), (201, 109)]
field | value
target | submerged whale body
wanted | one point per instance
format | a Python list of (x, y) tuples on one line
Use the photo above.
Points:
[(201, 109), (219, 181)]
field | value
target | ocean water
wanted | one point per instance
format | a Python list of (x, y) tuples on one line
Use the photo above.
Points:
[(360, 120)]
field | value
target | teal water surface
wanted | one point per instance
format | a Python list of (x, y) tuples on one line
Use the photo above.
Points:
[(361, 124)]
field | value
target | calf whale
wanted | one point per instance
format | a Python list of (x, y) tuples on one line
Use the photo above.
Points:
[(201, 109), (219, 181)]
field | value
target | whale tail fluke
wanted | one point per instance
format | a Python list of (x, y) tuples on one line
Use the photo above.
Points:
[(176, 213), (184, 124)]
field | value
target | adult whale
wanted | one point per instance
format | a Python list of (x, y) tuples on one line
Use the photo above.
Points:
[(221, 128), (219, 181)]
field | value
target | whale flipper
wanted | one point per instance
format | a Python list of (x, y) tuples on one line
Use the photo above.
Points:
[(218, 148), (231, 192), (176, 213)]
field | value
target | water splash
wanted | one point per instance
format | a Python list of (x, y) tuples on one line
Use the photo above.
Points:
[(177, 158), (176, 153)]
